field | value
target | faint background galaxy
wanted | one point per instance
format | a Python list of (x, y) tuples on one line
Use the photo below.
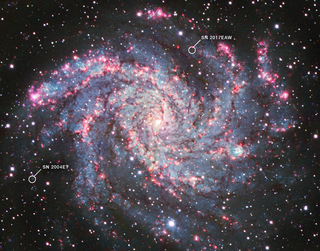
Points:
[(182, 125)]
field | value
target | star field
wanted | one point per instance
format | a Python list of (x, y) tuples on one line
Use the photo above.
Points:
[(159, 126)]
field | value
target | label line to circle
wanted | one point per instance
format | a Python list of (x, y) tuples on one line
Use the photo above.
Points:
[(197, 43), (37, 172)]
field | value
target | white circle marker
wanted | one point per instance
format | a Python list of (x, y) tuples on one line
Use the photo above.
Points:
[(192, 49), (32, 178)]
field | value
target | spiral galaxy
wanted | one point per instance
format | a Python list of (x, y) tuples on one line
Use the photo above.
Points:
[(171, 140)]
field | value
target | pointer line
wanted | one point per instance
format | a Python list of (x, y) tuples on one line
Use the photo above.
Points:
[(37, 173)]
